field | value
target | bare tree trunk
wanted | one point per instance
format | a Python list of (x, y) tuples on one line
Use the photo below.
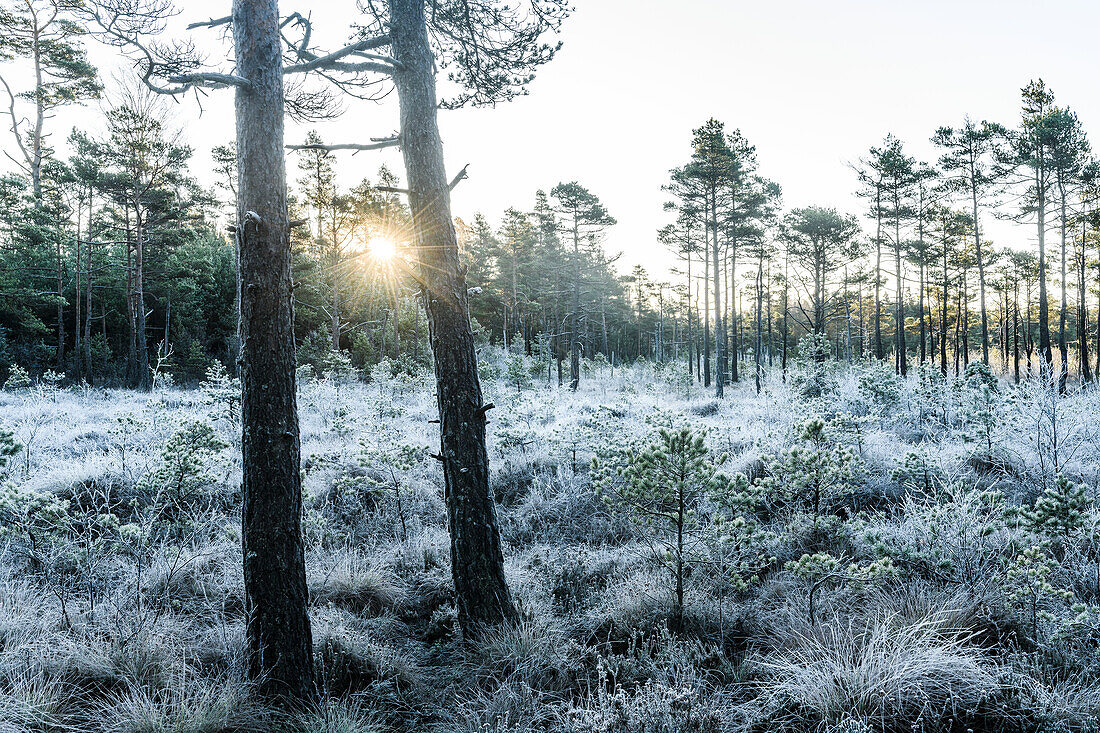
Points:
[(143, 380), (280, 646), (733, 348), (758, 344), (335, 306), (477, 559), (900, 344), (1047, 357), (1096, 343), (1063, 346), (878, 275), (60, 307), (719, 327), (88, 295), (1083, 311), (943, 313), (574, 318), (920, 308), (786, 313), (690, 324), (1016, 332), (78, 351), (981, 267), (396, 323)]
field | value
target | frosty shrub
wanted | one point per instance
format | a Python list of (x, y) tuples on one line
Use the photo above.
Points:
[(517, 374), (18, 379), (814, 377), (880, 389), (814, 474), (957, 534), (182, 483), (31, 515), (393, 459), (1060, 510), (660, 488), (918, 474), (931, 394), (9, 447), (981, 404), (1028, 586), (821, 569), (222, 393)]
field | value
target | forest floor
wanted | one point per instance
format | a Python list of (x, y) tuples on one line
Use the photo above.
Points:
[(909, 563)]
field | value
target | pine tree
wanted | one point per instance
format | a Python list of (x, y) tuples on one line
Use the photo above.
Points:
[(660, 488), (1060, 510), (582, 217)]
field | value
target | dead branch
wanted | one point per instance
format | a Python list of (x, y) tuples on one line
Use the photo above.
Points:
[(379, 144), (212, 23)]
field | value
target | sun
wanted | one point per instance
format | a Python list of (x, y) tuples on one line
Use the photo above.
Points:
[(382, 248)]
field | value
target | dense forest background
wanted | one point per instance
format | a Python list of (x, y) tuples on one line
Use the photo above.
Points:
[(117, 270)]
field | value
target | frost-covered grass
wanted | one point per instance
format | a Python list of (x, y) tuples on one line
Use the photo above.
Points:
[(121, 600)]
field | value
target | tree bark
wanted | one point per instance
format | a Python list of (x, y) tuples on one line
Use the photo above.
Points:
[(477, 559), (280, 646)]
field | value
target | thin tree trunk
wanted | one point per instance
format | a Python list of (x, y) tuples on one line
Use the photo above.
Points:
[(981, 264), (574, 318), (143, 380), (878, 273), (1083, 312), (60, 307), (706, 314), (900, 308), (88, 294), (718, 314), (1063, 345), (1047, 356)]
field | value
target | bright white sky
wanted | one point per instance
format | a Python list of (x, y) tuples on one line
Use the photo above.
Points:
[(811, 83)]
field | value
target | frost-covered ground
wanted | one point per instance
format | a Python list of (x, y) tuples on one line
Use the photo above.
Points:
[(942, 598)]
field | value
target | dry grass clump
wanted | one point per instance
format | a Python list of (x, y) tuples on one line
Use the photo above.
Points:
[(533, 653), (205, 582), (890, 675), (349, 582), (351, 715), (186, 705), (349, 659), (651, 707)]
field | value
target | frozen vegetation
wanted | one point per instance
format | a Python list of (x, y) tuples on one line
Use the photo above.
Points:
[(846, 551)]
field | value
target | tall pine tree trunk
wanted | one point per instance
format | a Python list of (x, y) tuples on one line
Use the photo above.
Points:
[(878, 274), (719, 316), (143, 380), (1046, 356), (1083, 311), (60, 306), (706, 308), (477, 559), (981, 264), (1063, 345), (277, 629)]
